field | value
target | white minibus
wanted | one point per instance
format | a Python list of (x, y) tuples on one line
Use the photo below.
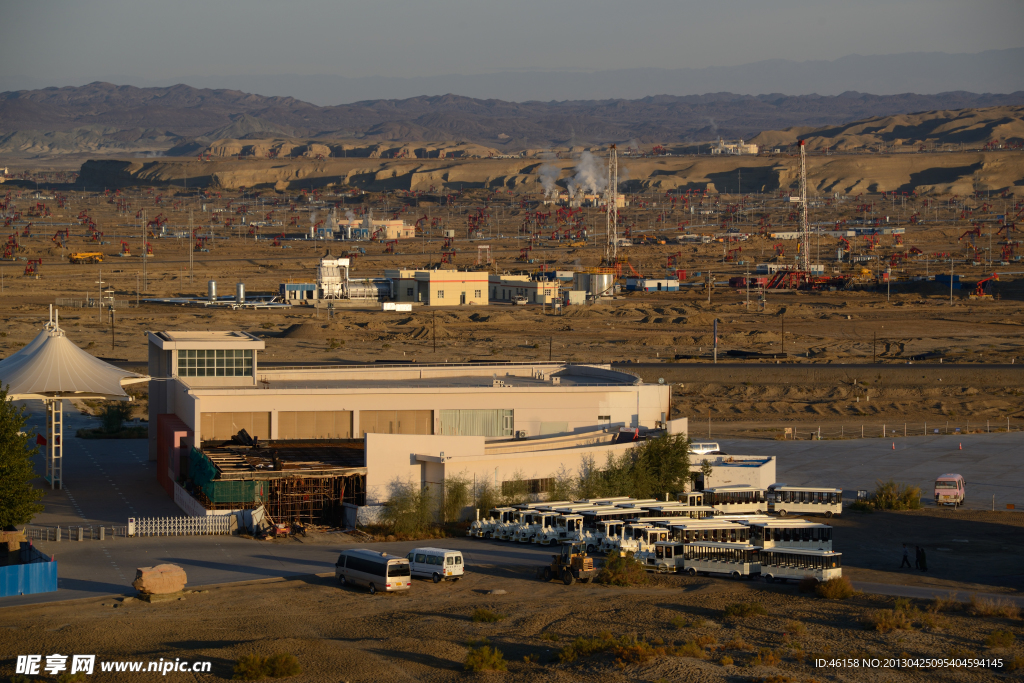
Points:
[(438, 564), (376, 571), (803, 500)]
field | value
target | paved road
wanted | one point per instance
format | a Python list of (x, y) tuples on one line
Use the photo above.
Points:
[(992, 464), (108, 481)]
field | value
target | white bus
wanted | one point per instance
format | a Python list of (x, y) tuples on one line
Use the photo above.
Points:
[(376, 571), (732, 559), (711, 530), (791, 533), (736, 499), (781, 564), (802, 500)]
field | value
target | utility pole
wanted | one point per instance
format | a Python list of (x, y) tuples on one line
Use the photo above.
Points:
[(803, 209), (145, 273)]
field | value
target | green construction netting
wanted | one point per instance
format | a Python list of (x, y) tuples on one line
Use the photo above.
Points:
[(204, 473)]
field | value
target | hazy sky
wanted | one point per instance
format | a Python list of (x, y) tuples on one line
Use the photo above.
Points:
[(45, 42)]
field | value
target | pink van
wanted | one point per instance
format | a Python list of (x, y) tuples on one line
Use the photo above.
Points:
[(950, 489)]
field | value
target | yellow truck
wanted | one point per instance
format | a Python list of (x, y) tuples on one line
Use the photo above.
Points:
[(86, 257)]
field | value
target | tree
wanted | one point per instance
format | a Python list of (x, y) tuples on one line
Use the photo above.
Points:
[(706, 469), (114, 415), (456, 497), (650, 469), (17, 496)]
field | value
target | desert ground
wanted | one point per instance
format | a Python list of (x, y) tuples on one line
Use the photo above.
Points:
[(343, 634), (888, 332)]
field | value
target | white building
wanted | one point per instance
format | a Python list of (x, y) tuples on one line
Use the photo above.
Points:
[(741, 147)]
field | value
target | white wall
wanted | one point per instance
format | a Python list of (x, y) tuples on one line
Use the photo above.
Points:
[(724, 474)]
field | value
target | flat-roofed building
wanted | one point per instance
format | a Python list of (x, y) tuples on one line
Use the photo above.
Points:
[(499, 423), (439, 287), (507, 287)]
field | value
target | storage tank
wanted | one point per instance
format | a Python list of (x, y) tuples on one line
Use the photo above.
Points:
[(211, 288), (240, 293), (377, 288), (602, 284), (581, 282)]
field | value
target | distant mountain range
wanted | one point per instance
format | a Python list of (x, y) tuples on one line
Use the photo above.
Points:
[(106, 119)]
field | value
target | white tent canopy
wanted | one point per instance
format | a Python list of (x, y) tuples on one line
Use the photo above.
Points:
[(52, 366)]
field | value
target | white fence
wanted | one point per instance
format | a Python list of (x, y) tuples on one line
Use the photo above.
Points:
[(181, 526)]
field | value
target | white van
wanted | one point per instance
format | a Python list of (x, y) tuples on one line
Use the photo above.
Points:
[(437, 564), (704, 448), (376, 571)]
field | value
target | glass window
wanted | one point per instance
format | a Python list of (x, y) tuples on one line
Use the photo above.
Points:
[(408, 291), (440, 294), (785, 534), (449, 560), (476, 293), (215, 363), (458, 559), (398, 569)]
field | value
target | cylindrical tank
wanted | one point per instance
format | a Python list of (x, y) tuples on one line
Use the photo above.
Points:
[(211, 287), (378, 288), (581, 282), (240, 293), (602, 284)]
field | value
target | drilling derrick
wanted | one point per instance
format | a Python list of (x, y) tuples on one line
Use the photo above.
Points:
[(612, 204), (806, 250)]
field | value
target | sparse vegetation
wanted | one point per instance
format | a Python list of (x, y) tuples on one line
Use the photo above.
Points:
[(766, 657), (1000, 638), (622, 570), (998, 607), (885, 620), (486, 616), (796, 628), (948, 603), (484, 657), (255, 667), (691, 649), (726, 660), (890, 495), (836, 589), (741, 610)]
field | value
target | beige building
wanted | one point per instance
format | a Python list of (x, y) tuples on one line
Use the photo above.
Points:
[(439, 287), (507, 287), (741, 147), (373, 425)]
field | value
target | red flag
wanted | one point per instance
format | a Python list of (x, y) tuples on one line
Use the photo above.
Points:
[(40, 440)]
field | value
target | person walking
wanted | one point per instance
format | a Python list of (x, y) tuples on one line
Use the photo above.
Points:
[(924, 561), (917, 557), (906, 557)]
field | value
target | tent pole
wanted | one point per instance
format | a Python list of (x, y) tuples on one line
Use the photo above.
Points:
[(55, 446)]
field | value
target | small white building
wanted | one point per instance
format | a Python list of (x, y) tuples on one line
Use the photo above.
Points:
[(507, 287), (741, 147), (756, 471)]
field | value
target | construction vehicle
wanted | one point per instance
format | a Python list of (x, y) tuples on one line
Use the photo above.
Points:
[(570, 565), (86, 257)]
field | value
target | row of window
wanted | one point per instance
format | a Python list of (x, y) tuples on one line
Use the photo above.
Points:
[(215, 363), (771, 558), (727, 535), (795, 534), (734, 497), (531, 486), (700, 552), (440, 293), (804, 497)]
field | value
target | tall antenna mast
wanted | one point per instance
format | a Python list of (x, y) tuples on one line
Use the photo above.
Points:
[(612, 215), (191, 246), (803, 210)]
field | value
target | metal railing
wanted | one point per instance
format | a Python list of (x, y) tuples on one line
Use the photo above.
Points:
[(180, 526), (75, 532)]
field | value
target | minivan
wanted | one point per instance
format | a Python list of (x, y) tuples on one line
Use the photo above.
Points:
[(376, 571), (437, 564)]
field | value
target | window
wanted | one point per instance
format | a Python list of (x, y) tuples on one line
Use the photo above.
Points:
[(458, 559), (408, 291), (476, 293), (440, 294), (214, 363), (420, 557), (398, 569)]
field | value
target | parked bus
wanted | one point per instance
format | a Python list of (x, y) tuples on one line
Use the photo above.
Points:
[(678, 510), (782, 564), (709, 530), (376, 571), (804, 500), (437, 564), (791, 533), (691, 498), (708, 557), (505, 532), (950, 489), (592, 517), (734, 499)]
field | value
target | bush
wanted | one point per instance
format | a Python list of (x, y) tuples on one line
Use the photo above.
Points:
[(1014, 664), (410, 508), (691, 649), (456, 498), (114, 414), (795, 627), (548, 635), (986, 607), (485, 658), (706, 641), (999, 639), (486, 616), (738, 643), (890, 495), (584, 647), (631, 650), (254, 667), (945, 604), (932, 620), (861, 505), (744, 609), (885, 620), (622, 570), (766, 657), (836, 589), (681, 622), (726, 660)]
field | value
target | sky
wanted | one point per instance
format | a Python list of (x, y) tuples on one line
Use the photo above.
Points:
[(210, 42)]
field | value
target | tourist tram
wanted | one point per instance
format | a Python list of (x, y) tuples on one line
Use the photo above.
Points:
[(781, 564), (731, 559), (802, 500), (791, 533), (736, 499), (709, 530)]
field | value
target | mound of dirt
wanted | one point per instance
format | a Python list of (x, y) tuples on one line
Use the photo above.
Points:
[(314, 330)]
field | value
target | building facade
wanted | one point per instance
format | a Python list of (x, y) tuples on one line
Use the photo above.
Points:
[(439, 287)]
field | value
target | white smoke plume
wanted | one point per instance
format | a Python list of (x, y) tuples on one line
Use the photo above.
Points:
[(349, 215), (714, 128), (633, 144), (591, 176), (548, 176), (312, 217)]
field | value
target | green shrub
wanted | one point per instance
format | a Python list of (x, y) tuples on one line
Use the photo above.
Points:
[(278, 665), (766, 657), (486, 616), (861, 505), (691, 649), (1000, 639), (622, 570), (584, 647), (1015, 664), (248, 668), (726, 660), (632, 650), (835, 589), (681, 621), (738, 643), (706, 641), (885, 620), (549, 635), (744, 609), (795, 627), (890, 495), (485, 658)]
